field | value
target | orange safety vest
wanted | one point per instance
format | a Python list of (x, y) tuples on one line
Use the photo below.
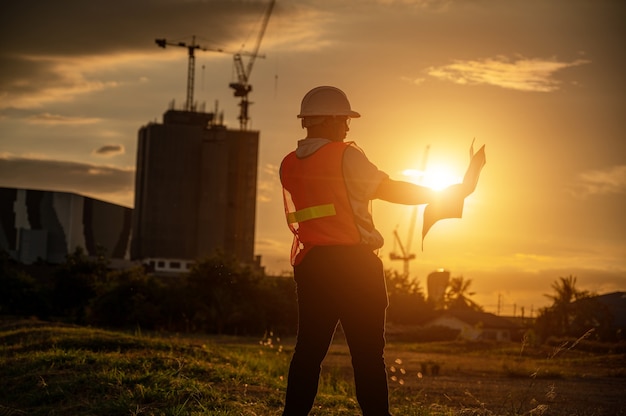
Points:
[(316, 200)]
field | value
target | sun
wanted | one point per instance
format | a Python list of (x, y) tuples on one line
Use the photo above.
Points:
[(436, 177)]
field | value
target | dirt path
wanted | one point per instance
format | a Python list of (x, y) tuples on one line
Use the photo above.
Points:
[(485, 395), (492, 383)]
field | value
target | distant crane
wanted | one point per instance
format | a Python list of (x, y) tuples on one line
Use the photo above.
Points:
[(405, 249), (404, 256), (242, 87), (191, 68)]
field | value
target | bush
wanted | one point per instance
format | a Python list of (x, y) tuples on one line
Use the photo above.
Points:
[(20, 294), (129, 298)]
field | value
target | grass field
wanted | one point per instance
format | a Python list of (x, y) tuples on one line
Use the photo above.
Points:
[(55, 369)]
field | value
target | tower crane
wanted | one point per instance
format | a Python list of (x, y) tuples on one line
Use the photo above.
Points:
[(191, 70), (242, 87), (405, 249)]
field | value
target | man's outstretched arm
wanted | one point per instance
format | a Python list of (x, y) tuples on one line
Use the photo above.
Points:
[(406, 193)]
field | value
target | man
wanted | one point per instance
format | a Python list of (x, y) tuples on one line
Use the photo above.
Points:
[(328, 186)]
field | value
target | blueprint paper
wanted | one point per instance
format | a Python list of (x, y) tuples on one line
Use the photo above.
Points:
[(450, 201)]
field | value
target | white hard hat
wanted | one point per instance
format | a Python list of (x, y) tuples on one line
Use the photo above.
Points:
[(326, 101)]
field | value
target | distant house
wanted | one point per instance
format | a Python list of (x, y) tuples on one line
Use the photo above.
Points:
[(615, 304), (474, 325)]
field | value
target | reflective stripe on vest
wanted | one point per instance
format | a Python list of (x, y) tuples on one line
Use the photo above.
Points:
[(311, 213)]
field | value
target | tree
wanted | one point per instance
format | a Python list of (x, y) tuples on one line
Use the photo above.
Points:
[(20, 294), (277, 301), (129, 298), (457, 295), (400, 283), (565, 294), (224, 293), (573, 312), (76, 282), (407, 304)]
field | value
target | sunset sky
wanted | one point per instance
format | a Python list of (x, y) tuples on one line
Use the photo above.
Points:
[(540, 83)]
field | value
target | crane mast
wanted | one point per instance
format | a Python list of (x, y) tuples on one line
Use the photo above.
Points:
[(191, 67), (242, 87), (405, 249)]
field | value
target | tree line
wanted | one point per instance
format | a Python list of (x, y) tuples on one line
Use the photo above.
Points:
[(219, 295)]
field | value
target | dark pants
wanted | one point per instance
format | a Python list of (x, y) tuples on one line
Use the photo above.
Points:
[(340, 284)]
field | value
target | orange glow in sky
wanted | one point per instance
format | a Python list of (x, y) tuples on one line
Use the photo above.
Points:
[(547, 103)]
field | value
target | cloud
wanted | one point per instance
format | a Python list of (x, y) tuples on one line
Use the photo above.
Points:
[(522, 74), (87, 28), (611, 180), (414, 81), (423, 4), (62, 79), (110, 150), (267, 187), (99, 181), (56, 119), (51, 54)]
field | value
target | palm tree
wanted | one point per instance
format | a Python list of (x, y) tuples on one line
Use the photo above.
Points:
[(566, 291), (565, 295), (457, 295)]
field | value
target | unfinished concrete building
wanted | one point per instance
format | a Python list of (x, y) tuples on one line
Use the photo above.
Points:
[(195, 191)]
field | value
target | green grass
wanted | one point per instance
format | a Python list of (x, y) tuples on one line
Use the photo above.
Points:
[(55, 369), (59, 370)]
